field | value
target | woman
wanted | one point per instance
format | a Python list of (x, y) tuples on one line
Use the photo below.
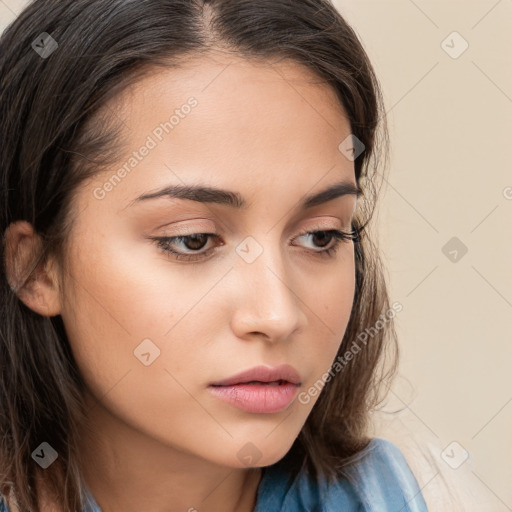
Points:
[(194, 316)]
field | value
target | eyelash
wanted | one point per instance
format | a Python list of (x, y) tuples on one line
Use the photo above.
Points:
[(164, 243)]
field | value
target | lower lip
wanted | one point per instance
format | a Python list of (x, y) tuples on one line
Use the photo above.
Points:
[(257, 398)]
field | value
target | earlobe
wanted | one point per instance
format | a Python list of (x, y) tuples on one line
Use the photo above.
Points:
[(30, 278)]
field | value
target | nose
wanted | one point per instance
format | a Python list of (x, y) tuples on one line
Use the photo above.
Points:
[(266, 302)]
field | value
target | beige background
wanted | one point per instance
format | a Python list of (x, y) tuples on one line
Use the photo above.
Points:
[(450, 121)]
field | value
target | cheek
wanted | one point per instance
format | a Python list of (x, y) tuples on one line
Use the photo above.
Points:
[(124, 299), (331, 306), (333, 296), (121, 305), (127, 286)]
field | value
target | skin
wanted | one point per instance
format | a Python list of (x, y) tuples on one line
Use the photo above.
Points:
[(156, 439)]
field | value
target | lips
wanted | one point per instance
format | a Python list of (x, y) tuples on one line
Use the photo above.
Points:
[(263, 375), (260, 390)]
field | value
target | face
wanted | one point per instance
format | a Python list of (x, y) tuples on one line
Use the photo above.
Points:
[(251, 286)]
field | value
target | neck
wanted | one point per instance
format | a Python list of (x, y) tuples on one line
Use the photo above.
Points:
[(124, 469)]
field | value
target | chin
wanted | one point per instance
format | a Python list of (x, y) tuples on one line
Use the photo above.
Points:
[(259, 452)]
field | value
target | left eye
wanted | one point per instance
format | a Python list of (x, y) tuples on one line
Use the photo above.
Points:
[(195, 242)]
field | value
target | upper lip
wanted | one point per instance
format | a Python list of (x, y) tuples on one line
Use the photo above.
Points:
[(263, 374)]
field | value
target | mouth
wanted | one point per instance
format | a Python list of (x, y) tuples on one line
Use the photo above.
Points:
[(263, 375), (261, 390), (255, 382)]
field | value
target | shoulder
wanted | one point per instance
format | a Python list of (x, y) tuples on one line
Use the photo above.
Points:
[(379, 479), (3, 504)]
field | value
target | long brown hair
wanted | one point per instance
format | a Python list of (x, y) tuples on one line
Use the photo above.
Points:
[(55, 135)]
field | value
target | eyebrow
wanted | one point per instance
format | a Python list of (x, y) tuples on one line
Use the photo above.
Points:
[(207, 194)]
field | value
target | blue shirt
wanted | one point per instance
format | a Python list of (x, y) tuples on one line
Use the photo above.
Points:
[(381, 481)]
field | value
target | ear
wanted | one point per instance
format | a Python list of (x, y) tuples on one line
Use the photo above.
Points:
[(33, 280)]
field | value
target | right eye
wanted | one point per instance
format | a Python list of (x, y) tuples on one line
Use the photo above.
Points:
[(195, 242)]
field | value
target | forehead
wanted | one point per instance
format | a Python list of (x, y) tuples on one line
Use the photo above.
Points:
[(253, 124), (257, 96), (221, 75)]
